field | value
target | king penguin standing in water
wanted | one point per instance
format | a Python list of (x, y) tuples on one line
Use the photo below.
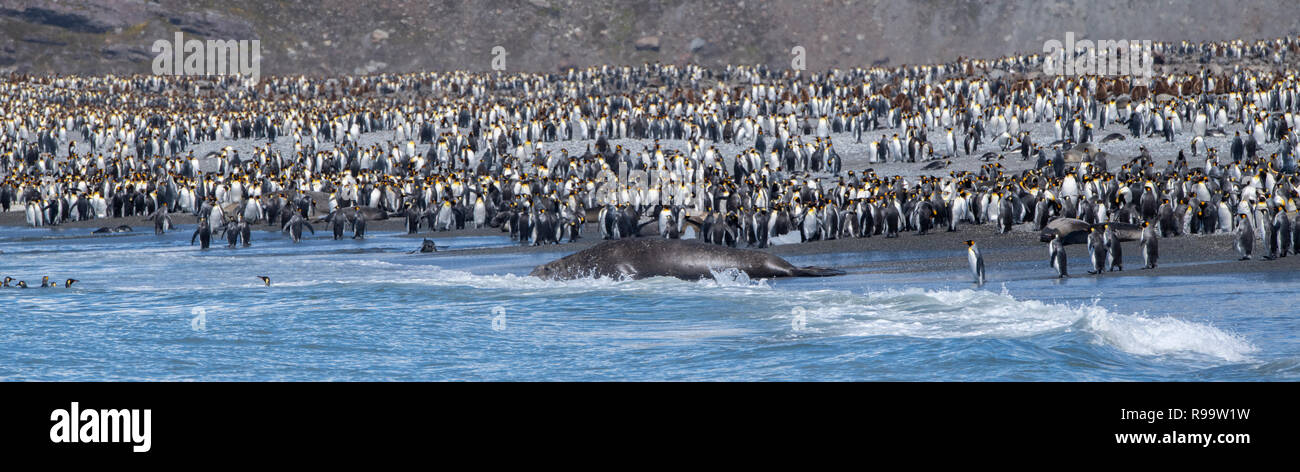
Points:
[(1150, 245), (1056, 257), (976, 262), (1096, 251)]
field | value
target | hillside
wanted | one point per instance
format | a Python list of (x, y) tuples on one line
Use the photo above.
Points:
[(333, 36)]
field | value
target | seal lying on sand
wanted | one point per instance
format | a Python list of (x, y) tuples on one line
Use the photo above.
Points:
[(684, 259), (1074, 231)]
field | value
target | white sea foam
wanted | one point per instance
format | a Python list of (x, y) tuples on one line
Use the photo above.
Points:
[(912, 313), (934, 314), (976, 313)]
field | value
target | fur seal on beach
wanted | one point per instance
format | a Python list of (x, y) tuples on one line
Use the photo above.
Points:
[(684, 259)]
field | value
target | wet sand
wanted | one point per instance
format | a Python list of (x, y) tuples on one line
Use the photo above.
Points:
[(1015, 255)]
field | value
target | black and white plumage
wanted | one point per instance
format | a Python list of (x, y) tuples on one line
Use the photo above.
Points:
[(1114, 254), (1149, 243), (1056, 257), (1282, 232), (976, 262), (1245, 238), (1096, 251)]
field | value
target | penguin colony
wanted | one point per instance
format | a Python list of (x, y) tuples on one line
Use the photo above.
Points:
[(489, 150)]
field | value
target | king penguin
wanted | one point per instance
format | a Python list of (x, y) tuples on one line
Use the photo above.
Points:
[(976, 262), (203, 233), (358, 224), (1096, 251), (1150, 245), (1245, 240), (1056, 256), (1114, 256)]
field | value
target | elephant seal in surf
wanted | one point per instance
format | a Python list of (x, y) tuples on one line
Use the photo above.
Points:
[(108, 230), (684, 259), (427, 247), (1074, 231)]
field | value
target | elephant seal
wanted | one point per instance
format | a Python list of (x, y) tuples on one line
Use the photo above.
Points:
[(1075, 231), (117, 229), (427, 247), (684, 259)]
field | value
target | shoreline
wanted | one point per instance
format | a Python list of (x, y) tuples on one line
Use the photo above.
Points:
[(1017, 255)]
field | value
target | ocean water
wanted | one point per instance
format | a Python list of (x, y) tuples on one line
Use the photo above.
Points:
[(154, 308)]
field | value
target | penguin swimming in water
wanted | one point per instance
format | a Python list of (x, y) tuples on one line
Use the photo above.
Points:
[(976, 262), (68, 283), (1149, 243), (266, 280)]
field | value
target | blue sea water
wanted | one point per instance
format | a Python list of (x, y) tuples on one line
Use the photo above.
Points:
[(154, 308)]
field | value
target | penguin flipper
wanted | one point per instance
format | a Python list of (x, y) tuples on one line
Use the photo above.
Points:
[(814, 271), (309, 228)]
